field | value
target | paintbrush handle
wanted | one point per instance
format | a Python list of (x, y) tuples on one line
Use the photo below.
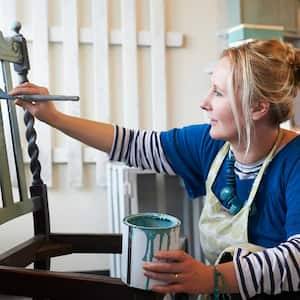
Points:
[(46, 98), (38, 98)]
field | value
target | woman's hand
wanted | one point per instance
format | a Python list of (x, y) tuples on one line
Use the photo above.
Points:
[(181, 272), (44, 111), (95, 134)]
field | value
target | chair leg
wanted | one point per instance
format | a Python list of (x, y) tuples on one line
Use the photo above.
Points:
[(42, 265)]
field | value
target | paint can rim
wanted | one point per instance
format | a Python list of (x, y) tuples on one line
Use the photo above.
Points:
[(174, 222)]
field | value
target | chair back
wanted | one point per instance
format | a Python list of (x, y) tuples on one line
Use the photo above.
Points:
[(17, 197)]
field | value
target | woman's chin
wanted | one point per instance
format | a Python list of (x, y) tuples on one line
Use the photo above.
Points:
[(216, 135)]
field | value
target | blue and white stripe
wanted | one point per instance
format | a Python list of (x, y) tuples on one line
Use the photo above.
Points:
[(140, 149), (247, 171), (271, 271)]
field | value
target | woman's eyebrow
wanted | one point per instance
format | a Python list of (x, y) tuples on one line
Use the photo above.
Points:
[(218, 88)]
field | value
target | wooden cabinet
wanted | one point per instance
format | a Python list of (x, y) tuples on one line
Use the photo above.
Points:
[(264, 12)]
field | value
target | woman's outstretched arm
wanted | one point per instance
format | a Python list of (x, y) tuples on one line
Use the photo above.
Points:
[(95, 134)]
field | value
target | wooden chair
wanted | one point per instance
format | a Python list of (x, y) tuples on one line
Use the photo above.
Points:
[(40, 282)]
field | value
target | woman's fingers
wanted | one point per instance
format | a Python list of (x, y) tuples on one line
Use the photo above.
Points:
[(173, 282), (43, 110), (171, 255), (178, 272), (29, 89), (170, 269), (166, 277), (25, 104), (163, 267), (168, 261), (31, 107)]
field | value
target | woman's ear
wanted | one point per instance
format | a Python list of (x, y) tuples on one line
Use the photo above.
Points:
[(260, 110)]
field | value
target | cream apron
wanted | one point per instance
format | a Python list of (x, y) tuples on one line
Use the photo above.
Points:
[(219, 230)]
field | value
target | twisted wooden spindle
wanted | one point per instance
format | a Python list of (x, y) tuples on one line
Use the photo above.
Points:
[(22, 70)]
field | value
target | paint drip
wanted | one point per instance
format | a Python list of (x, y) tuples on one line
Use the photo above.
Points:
[(154, 226)]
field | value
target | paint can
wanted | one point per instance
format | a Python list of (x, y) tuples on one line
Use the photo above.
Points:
[(143, 235)]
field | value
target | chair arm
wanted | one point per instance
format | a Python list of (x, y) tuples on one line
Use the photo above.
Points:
[(90, 243), (62, 285)]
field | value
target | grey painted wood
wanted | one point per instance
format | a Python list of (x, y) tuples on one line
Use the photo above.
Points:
[(15, 133), (9, 50), (15, 210), (5, 181)]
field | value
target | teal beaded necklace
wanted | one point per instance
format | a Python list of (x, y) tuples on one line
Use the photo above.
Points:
[(228, 194)]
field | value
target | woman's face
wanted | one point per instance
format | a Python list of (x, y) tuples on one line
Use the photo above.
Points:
[(217, 104)]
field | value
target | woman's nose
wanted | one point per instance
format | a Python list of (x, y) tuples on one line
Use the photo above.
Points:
[(204, 104)]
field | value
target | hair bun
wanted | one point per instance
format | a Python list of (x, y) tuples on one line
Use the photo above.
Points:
[(290, 54), (296, 67)]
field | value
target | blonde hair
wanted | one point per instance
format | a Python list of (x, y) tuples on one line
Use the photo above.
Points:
[(263, 70)]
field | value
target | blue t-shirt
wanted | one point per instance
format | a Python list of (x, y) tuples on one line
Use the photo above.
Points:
[(191, 151)]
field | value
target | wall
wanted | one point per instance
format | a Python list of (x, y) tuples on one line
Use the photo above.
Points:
[(84, 209)]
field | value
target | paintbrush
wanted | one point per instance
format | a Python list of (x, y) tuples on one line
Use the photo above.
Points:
[(37, 98)]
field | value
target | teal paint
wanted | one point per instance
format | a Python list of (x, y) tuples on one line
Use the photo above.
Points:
[(243, 33), (151, 221), (153, 225), (161, 241), (129, 249)]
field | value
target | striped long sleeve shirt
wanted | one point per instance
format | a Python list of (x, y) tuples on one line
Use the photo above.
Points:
[(140, 149), (271, 271)]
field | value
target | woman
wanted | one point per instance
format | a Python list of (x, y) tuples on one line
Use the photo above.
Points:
[(248, 168)]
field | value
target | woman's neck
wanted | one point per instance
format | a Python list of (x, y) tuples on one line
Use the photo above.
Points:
[(261, 144)]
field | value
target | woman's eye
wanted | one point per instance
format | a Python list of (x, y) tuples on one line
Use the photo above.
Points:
[(218, 94)]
